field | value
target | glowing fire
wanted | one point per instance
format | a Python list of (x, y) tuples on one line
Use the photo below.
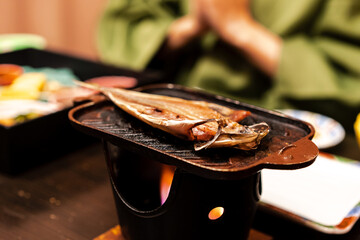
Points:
[(216, 213), (167, 176)]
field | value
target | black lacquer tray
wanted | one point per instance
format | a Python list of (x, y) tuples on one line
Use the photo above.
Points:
[(45, 138)]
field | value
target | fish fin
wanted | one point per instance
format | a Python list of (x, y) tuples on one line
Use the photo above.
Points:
[(199, 146), (261, 128)]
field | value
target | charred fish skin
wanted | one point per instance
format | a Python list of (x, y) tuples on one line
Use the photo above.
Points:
[(209, 125)]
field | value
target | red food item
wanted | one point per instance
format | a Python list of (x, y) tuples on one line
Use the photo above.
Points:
[(239, 115), (114, 81), (8, 73)]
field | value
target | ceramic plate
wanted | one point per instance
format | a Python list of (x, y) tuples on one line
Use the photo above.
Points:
[(328, 132), (343, 227)]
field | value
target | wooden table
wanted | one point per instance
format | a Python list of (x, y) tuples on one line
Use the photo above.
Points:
[(115, 234), (71, 198)]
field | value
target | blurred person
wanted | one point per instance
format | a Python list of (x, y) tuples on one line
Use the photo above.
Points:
[(276, 54)]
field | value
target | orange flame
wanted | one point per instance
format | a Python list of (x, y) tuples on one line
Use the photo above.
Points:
[(167, 175), (216, 213)]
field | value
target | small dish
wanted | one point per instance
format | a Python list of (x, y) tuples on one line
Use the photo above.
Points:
[(343, 226), (328, 132), (8, 72), (114, 81)]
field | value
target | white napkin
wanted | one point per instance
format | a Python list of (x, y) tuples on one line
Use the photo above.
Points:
[(324, 192)]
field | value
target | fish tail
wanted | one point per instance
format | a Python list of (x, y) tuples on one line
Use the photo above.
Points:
[(87, 85)]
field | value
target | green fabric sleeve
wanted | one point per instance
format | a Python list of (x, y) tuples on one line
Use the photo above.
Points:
[(131, 31), (303, 71), (319, 60), (319, 69), (322, 62)]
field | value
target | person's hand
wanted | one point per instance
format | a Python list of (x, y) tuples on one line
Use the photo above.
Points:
[(230, 19), (187, 28), (233, 23), (220, 16)]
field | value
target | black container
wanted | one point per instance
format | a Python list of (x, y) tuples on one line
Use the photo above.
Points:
[(136, 184), (42, 139)]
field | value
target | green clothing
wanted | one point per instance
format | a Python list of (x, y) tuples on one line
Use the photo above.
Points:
[(319, 68)]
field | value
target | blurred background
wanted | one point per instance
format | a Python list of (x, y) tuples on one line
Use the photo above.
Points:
[(67, 26)]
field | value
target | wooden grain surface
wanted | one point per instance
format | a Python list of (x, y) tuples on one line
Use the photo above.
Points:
[(71, 199), (115, 234), (68, 26)]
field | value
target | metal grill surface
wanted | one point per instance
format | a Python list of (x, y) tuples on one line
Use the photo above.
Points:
[(287, 146)]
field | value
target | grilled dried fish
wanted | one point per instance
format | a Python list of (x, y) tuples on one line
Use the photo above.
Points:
[(209, 125)]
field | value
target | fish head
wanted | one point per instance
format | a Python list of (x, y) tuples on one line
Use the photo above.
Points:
[(237, 136)]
